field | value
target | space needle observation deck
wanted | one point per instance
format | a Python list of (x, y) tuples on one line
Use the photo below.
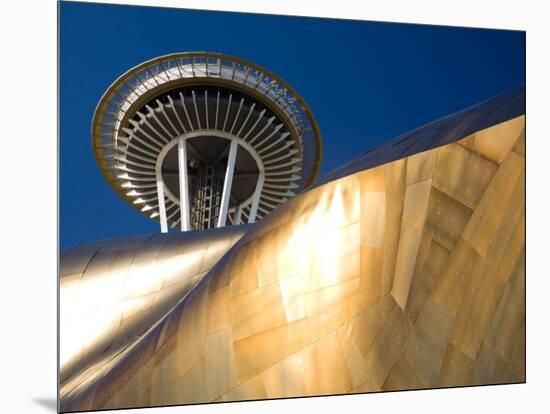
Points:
[(203, 140)]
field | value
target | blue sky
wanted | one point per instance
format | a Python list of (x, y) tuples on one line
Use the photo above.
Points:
[(366, 82)]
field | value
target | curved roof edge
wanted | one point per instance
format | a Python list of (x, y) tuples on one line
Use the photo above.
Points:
[(443, 131)]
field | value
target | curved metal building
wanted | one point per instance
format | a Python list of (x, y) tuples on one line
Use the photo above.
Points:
[(112, 291), (201, 140), (403, 269)]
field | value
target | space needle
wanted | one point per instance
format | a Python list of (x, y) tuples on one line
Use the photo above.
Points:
[(204, 140)]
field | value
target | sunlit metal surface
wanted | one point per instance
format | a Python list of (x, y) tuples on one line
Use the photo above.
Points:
[(407, 275), (112, 291)]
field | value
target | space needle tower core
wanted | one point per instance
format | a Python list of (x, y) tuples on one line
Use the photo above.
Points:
[(203, 140)]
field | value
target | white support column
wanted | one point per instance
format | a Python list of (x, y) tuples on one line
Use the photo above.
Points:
[(238, 214), (256, 198), (162, 206), (224, 205), (184, 185)]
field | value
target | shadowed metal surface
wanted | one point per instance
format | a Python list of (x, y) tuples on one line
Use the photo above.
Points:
[(112, 291), (404, 274)]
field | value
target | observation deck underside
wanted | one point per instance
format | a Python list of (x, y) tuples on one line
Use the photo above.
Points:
[(177, 111)]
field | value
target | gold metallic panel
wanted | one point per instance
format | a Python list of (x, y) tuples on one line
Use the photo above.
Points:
[(372, 180), (456, 369), (370, 275), (409, 242), (449, 287), (416, 203), (519, 146), (480, 299), (508, 317), (373, 217), (487, 217), (365, 326), (503, 374), (418, 288), (518, 356), (420, 167), (285, 379), (256, 353), (218, 318), (324, 367), (257, 311), (219, 363), (402, 377), (190, 387), (462, 174), (484, 365), (427, 343), (244, 276), (446, 218), (495, 142), (355, 361), (292, 292), (507, 245), (395, 181), (254, 388), (386, 348)]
